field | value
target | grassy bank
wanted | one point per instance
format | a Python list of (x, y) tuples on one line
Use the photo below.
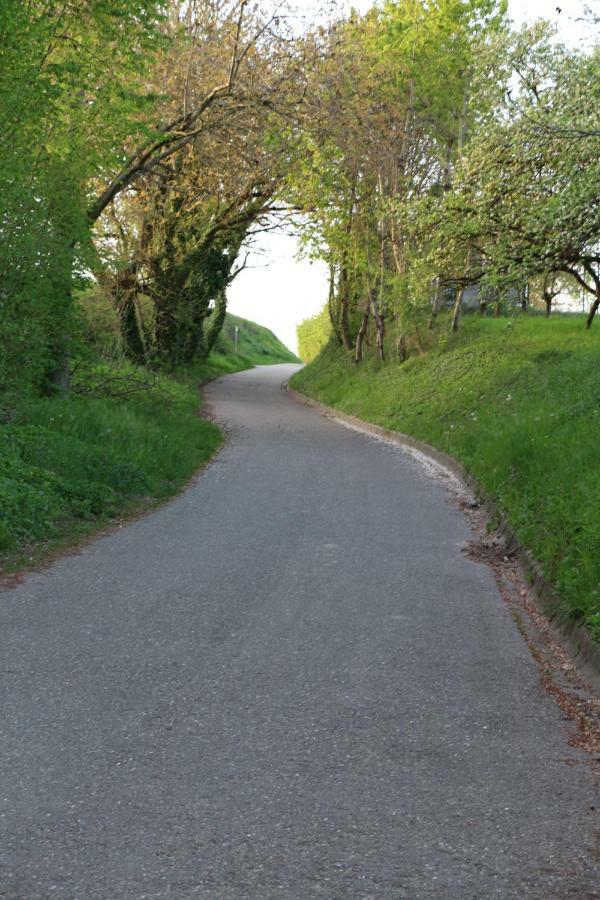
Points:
[(122, 440), (518, 403)]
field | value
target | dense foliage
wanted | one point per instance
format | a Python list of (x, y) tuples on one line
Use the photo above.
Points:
[(144, 176), (64, 117), (448, 157), (429, 146), (313, 335)]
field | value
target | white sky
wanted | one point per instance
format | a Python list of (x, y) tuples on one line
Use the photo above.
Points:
[(279, 291)]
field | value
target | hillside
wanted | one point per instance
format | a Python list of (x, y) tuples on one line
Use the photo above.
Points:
[(517, 402), (123, 439), (255, 342)]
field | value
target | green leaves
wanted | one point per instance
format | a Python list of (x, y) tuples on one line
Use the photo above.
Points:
[(72, 91)]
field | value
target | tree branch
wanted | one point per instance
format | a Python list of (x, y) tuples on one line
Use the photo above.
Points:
[(143, 158)]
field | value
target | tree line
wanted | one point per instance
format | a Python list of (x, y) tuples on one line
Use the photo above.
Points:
[(424, 148), (135, 154), (448, 152)]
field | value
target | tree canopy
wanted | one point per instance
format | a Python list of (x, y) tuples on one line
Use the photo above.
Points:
[(427, 148)]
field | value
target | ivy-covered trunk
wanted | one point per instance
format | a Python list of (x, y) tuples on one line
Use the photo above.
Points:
[(125, 294)]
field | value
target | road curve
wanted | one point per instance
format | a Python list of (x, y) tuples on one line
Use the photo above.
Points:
[(287, 683)]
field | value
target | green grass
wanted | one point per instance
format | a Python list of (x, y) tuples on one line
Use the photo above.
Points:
[(122, 441), (69, 465), (256, 344), (518, 403)]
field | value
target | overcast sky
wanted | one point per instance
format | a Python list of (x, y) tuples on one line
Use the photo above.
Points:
[(279, 291)]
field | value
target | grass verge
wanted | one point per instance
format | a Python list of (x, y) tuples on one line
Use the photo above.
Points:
[(518, 403)]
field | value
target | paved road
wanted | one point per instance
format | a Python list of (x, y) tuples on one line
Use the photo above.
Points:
[(288, 683)]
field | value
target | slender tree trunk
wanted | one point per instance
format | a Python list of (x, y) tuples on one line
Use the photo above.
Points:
[(380, 329), (548, 302), (402, 348), (358, 352), (457, 308), (344, 288), (419, 341), (378, 305), (379, 325), (397, 253), (344, 285), (333, 317), (437, 302), (593, 309), (216, 320)]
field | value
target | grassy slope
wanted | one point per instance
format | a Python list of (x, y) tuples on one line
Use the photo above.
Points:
[(68, 465), (255, 342), (519, 404)]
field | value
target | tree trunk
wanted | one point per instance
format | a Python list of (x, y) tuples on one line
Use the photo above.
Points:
[(125, 290), (333, 317), (437, 302), (380, 328), (165, 332), (548, 302), (216, 320), (457, 308), (593, 309), (345, 307), (419, 341), (130, 329), (402, 348), (358, 353)]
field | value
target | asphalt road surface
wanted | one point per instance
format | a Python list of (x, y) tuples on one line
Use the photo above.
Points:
[(288, 683)]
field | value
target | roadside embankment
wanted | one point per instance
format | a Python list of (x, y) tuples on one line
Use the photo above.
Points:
[(517, 403)]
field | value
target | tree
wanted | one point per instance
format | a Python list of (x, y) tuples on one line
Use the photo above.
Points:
[(313, 335), (174, 234), (63, 115), (393, 105), (526, 196)]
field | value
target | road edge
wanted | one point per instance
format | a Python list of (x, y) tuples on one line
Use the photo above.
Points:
[(64, 546), (585, 652)]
